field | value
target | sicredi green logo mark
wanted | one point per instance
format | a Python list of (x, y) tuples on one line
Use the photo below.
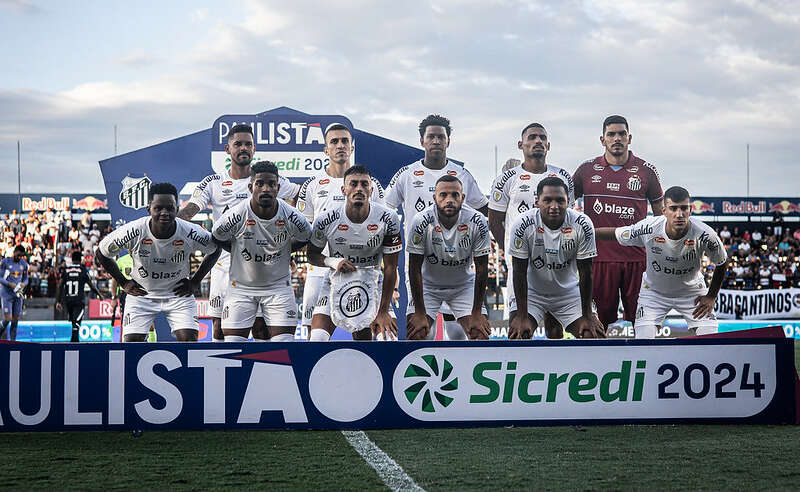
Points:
[(434, 383)]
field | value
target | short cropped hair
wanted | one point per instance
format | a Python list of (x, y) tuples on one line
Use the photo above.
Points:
[(434, 120), (240, 128), (76, 257), (357, 169), (261, 167), (19, 248), (676, 194), (532, 125), (447, 178), (162, 189), (336, 126), (551, 181), (615, 119)]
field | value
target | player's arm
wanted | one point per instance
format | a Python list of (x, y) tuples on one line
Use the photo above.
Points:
[(477, 324), (129, 286), (3, 273), (497, 226), (188, 211), (520, 326), (590, 321), (201, 197), (704, 305), (60, 290), (605, 233), (658, 207), (384, 323), (186, 287), (577, 182), (316, 258), (418, 321), (654, 193), (24, 279)]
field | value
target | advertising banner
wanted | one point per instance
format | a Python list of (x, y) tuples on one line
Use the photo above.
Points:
[(75, 202), (363, 385), (739, 205), (758, 304), (102, 309)]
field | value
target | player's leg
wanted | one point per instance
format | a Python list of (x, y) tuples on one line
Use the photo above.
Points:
[(139, 315), (631, 286), (552, 327), (508, 290), (460, 301), (535, 314), (650, 313), (238, 315), (122, 296), (75, 312), (432, 305), (606, 281), (216, 300), (16, 312), (181, 314), (698, 326), (259, 329), (363, 335), (280, 314), (312, 290), (567, 313)]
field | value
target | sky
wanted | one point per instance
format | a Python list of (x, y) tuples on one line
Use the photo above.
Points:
[(697, 81)]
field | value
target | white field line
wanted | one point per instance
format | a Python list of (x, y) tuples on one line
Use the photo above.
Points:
[(388, 470)]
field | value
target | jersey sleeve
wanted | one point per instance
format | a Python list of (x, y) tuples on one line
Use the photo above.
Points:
[(499, 198), (391, 238), (587, 245), (474, 197), (302, 228), (713, 247), (394, 193), (634, 234), (415, 245), (570, 185), (378, 195), (654, 191), (577, 182), (119, 239), (202, 193), (288, 190), (229, 225), (304, 202), (481, 242), (519, 247), (201, 239), (319, 236), (3, 273)]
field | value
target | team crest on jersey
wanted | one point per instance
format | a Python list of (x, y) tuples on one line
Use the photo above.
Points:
[(250, 222), (689, 242), (568, 244), (280, 222), (540, 229), (659, 240), (324, 181), (179, 256), (690, 255), (343, 227), (464, 242), (497, 196), (134, 192), (373, 241), (463, 227), (634, 183), (597, 178), (525, 177), (523, 207), (419, 173), (566, 230), (177, 242), (147, 242)]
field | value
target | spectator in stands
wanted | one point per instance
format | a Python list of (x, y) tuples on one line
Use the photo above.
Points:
[(725, 235)]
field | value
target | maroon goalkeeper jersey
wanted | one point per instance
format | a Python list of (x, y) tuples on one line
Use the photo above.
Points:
[(617, 198)]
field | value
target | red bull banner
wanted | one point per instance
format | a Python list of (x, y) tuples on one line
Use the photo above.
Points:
[(38, 202), (742, 206)]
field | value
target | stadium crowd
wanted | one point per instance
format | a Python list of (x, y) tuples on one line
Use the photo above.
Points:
[(762, 260)]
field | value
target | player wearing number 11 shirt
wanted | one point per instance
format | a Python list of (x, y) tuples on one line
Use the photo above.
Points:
[(73, 278)]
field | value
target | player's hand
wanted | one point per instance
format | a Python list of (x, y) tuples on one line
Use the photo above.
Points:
[(418, 326), (345, 267), (384, 324), (704, 306), (587, 327), (521, 327), (133, 288), (476, 326), (101, 297), (58, 306), (184, 288), (396, 298)]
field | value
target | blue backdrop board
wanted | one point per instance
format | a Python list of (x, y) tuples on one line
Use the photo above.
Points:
[(369, 385)]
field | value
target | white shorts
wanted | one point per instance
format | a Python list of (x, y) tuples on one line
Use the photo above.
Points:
[(181, 313), (459, 299), (566, 309), (653, 308), (217, 290), (311, 292), (444, 308), (278, 307)]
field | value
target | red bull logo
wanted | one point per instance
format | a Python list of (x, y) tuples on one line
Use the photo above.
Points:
[(784, 207), (89, 203), (44, 203), (701, 207), (744, 207)]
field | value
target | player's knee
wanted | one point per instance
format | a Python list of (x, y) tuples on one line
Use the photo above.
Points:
[(135, 337)]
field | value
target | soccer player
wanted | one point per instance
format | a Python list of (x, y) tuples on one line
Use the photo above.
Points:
[(160, 246), (552, 247), (617, 186), (359, 233), (263, 232), (514, 191), (73, 278), (675, 244), (412, 187), (445, 238), (221, 192), (322, 193), (14, 279)]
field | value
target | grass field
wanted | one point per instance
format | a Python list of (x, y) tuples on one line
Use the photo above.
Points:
[(697, 457)]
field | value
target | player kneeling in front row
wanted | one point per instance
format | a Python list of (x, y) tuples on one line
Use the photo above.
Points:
[(445, 237), (160, 246), (359, 234), (675, 244), (261, 234), (552, 249)]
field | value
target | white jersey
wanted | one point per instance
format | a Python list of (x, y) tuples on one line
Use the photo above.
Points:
[(412, 188), (362, 244), (448, 253), (261, 248), (158, 264), (673, 265), (322, 193), (552, 269), (514, 192)]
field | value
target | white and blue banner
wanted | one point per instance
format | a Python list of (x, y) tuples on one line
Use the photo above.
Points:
[(363, 385), (758, 304)]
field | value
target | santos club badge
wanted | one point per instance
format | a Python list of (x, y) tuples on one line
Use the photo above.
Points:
[(354, 298)]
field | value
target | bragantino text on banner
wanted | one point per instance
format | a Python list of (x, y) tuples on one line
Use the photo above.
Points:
[(758, 304), (360, 385)]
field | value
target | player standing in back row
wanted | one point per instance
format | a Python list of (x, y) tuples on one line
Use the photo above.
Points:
[(412, 188), (72, 280), (514, 192), (617, 186), (221, 192), (322, 193), (14, 280), (675, 245)]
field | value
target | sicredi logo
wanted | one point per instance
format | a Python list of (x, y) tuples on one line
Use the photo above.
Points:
[(527, 383)]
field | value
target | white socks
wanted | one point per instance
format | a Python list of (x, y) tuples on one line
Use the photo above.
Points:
[(218, 340), (645, 331), (283, 337), (453, 331), (319, 335)]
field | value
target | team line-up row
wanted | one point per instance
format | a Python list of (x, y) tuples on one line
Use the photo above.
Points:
[(560, 260)]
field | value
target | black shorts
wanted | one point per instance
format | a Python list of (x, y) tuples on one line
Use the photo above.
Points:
[(75, 311)]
